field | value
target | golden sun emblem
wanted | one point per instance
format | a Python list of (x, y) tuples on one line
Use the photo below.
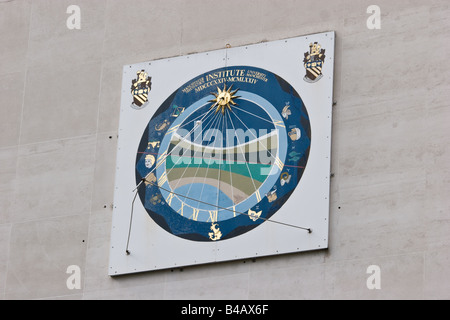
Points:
[(224, 99)]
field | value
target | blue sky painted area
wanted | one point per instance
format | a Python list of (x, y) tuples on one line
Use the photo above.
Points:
[(205, 193)]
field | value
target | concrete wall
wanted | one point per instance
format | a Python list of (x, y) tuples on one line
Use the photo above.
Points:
[(59, 110)]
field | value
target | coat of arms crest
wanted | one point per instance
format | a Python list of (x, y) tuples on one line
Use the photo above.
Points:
[(140, 88), (313, 62)]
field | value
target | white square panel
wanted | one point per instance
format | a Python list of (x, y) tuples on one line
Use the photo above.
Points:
[(224, 155)]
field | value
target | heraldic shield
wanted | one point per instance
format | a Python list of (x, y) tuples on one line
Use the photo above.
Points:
[(313, 62), (140, 90)]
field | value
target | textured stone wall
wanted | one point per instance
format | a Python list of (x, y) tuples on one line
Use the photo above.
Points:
[(59, 113)]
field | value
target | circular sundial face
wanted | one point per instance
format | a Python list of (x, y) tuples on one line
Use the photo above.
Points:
[(223, 153)]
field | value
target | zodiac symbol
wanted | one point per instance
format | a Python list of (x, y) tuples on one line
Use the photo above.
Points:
[(156, 199), (150, 179), (162, 126), (149, 161), (215, 234), (295, 156), (285, 178), (177, 111), (253, 215), (286, 111), (271, 196), (295, 134), (154, 144)]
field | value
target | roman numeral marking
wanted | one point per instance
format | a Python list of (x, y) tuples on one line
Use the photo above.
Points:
[(181, 211), (162, 180), (170, 198), (195, 214), (279, 163), (213, 216), (161, 159), (258, 195), (279, 123), (172, 130)]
